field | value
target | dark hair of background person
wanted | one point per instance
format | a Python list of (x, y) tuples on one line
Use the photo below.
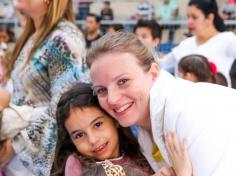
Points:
[(155, 28), (107, 2), (209, 7), (197, 65), (221, 79), (96, 17), (81, 96), (117, 27)]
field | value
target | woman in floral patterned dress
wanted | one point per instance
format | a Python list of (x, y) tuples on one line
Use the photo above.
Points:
[(47, 60)]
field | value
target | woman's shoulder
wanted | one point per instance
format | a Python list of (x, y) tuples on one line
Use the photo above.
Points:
[(227, 35), (66, 37), (185, 46), (188, 41), (67, 31), (73, 166)]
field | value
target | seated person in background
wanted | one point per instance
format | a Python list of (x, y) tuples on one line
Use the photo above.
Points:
[(92, 31), (107, 12), (144, 10), (149, 32), (197, 68), (168, 11), (228, 12), (115, 27)]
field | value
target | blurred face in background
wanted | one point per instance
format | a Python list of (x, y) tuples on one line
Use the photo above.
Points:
[(91, 24), (145, 35), (32, 8), (197, 22)]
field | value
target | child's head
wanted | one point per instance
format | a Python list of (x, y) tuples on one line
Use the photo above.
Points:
[(84, 128), (148, 31), (92, 131), (196, 68), (115, 27)]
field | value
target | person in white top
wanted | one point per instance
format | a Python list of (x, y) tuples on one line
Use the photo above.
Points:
[(131, 87), (209, 39)]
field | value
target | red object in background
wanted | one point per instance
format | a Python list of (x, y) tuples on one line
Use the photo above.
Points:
[(213, 67)]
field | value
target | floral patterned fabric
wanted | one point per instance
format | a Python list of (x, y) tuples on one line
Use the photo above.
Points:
[(54, 67)]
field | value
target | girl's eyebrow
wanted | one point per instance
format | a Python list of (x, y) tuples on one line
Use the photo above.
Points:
[(93, 121), (97, 118)]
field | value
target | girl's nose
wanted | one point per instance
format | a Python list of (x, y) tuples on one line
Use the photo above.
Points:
[(92, 139)]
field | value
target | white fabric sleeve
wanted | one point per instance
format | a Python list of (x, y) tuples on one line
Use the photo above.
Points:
[(168, 62)]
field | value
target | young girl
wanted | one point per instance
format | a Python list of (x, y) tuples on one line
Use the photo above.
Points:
[(197, 68), (91, 135)]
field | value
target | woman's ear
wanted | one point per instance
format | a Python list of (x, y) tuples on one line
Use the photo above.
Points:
[(154, 71), (156, 42), (211, 17)]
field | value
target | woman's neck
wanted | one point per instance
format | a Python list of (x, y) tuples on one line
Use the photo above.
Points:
[(37, 23), (145, 123), (206, 36)]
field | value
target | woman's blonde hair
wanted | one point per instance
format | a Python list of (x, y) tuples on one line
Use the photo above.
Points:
[(57, 10), (122, 42)]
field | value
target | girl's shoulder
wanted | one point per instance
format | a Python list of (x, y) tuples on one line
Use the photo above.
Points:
[(73, 166)]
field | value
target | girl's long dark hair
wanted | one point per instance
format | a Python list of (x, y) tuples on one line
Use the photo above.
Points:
[(80, 96), (208, 7)]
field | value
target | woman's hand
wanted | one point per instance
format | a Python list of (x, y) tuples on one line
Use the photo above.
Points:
[(5, 97), (165, 171), (178, 155), (6, 153)]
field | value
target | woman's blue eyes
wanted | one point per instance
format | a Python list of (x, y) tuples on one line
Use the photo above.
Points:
[(103, 90)]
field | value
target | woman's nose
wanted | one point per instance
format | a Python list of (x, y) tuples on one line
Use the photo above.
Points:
[(113, 96)]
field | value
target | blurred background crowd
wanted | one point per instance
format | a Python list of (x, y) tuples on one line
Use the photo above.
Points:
[(172, 14)]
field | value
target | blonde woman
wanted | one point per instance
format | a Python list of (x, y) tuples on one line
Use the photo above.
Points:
[(48, 58), (134, 91)]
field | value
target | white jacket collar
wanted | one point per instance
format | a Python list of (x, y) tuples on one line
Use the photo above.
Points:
[(158, 95)]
